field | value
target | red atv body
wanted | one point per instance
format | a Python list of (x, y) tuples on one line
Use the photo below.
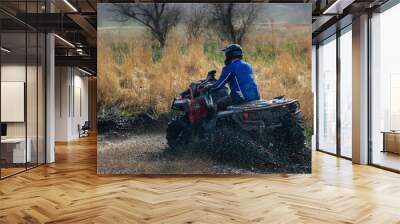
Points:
[(259, 117)]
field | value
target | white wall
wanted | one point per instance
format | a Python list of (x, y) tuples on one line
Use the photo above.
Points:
[(15, 73), (9, 73), (62, 82), (81, 89), (71, 87)]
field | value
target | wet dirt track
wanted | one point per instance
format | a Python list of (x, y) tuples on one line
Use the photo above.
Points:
[(146, 154)]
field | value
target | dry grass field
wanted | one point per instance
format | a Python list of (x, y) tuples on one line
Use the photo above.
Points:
[(135, 76)]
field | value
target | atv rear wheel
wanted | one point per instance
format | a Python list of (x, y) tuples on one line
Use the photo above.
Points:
[(294, 125), (236, 146)]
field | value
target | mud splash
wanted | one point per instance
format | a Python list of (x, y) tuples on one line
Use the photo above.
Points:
[(148, 153)]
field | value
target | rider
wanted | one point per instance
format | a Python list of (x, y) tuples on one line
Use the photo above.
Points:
[(239, 75)]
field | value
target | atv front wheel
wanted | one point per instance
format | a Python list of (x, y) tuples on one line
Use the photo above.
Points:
[(175, 132)]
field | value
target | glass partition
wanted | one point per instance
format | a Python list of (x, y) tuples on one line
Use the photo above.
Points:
[(346, 92), (385, 89), (41, 109), (22, 78), (31, 98), (14, 153), (327, 95)]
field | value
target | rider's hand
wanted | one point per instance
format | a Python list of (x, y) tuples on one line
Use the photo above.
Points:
[(211, 74)]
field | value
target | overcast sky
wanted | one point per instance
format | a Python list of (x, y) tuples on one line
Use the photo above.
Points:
[(295, 13)]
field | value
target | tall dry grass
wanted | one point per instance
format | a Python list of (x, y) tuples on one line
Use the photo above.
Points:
[(134, 77)]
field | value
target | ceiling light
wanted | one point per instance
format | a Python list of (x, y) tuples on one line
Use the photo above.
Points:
[(338, 6), (84, 71), (80, 51), (5, 50), (70, 5), (65, 41)]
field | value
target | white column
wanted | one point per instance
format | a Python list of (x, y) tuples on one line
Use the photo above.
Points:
[(360, 90), (62, 103), (50, 94)]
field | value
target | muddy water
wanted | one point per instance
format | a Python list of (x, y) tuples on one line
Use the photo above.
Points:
[(145, 154)]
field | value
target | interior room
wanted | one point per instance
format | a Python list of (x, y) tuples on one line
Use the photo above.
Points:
[(25, 68), (72, 92), (49, 138), (23, 96)]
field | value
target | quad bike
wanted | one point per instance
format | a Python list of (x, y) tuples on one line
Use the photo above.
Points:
[(250, 133)]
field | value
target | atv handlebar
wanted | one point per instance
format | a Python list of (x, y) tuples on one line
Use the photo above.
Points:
[(204, 85), (211, 75)]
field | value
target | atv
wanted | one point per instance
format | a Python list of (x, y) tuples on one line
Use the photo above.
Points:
[(249, 132)]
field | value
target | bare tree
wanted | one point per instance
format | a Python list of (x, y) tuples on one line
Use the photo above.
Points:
[(195, 21), (158, 18), (232, 21)]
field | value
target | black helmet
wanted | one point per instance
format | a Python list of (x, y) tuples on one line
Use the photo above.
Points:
[(232, 51)]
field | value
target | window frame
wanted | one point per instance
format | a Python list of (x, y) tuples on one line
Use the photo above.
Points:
[(339, 32)]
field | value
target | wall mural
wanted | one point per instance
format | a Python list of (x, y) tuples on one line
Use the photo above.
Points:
[(210, 88)]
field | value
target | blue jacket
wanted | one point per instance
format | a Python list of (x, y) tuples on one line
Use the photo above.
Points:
[(239, 75)]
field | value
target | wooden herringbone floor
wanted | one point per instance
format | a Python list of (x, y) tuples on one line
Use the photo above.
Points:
[(69, 191)]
